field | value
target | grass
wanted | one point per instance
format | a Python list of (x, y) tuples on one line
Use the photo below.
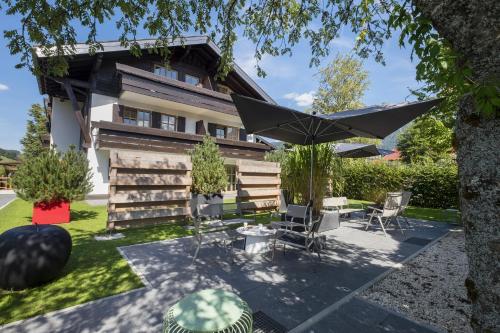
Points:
[(429, 214), (95, 269)]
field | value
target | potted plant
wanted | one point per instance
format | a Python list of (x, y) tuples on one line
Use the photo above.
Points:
[(51, 181), (209, 178)]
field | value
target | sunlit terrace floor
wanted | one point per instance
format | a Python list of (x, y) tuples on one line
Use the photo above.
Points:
[(293, 290)]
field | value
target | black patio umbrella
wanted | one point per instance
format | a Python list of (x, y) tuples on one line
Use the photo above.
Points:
[(355, 150), (285, 124)]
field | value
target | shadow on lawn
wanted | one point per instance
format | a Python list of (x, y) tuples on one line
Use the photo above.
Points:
[(79, 215)]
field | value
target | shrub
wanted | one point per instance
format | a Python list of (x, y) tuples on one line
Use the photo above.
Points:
[(209, 174), (51, 176), (3, 172), (433, 185), (295, 171)]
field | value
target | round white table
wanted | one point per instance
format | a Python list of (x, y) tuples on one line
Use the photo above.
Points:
[(256, 238)]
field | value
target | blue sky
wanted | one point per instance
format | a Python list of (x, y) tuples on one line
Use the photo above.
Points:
[(289, 80)]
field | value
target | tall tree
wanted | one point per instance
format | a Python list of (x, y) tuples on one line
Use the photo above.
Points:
[(455, 42), (342, 85), (426, 138), (36, 130)]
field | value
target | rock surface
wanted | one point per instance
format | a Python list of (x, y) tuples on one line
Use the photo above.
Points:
[(430, 288)]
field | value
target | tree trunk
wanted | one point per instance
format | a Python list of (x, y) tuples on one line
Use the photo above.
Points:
[(472, 28)]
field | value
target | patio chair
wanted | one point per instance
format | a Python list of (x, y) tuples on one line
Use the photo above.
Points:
[(213, 233), (311, 240), (295, 217), (405, 201), (388, 213)]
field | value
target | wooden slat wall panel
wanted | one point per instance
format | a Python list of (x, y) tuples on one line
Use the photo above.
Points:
[(150, 179), (258, 185), (148, 188)]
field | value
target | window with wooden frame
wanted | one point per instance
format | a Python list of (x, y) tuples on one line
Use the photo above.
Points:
[(143, 118), (232, 133), (166, 72), (231, 177), (130, 116), (191, 79), (168, 122)]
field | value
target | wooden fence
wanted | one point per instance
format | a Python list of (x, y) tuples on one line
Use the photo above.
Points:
[(258, 185), (148, 188)]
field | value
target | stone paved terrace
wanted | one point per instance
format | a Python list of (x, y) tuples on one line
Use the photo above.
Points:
[(292, 290)]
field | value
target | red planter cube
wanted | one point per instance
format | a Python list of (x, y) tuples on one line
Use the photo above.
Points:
[(51, 213)]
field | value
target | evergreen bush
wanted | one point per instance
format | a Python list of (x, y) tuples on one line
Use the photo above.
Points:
[(51, 176), (433, 185), (208, 174)]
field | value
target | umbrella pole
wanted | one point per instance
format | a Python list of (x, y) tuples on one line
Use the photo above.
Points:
[(311, 184)]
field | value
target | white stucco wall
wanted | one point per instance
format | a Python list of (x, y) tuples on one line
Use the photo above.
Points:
[(65, 130), (102, 109)]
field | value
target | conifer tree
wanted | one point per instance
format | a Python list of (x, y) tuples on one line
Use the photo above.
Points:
[(209, 174), (36, 129)]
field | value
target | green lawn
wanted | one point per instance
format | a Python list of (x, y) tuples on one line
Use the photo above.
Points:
[(430, 214), (95, 269)]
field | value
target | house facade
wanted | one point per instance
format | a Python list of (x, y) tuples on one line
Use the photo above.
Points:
[(114, 101)]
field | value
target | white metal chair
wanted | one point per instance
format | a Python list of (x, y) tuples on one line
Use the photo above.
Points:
[(389, 212), (405, 201)]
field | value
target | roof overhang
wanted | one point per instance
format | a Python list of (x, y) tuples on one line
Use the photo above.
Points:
[(82, 49)]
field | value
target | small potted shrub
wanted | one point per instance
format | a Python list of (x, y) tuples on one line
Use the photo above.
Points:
[(51, 181), (209, 178)]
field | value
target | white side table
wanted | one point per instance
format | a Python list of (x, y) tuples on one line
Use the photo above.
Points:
[(256, 238)]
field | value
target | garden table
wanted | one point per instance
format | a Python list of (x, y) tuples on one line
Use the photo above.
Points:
[(209, 310), (256, 238)]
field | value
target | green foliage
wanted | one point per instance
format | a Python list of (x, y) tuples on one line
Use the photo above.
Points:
[(209, 174), (296, 168), (3, 172), (426, 138), (36, 129), (343, 83), (366, 180), (275, 27), (52, 176), (433, 185)]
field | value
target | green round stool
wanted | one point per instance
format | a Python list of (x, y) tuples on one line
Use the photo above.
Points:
[(209, 311)]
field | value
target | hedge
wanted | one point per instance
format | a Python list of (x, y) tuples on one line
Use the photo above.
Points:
[(433, 185)]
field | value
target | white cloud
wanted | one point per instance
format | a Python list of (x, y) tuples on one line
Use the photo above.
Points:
[(304, 99), (3, 87)]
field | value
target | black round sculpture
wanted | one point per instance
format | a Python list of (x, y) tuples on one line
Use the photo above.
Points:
[(32, 255)]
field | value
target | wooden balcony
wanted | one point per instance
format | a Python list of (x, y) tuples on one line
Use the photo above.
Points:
[(120, 136)]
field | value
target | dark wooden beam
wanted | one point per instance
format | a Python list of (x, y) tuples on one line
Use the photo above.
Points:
[(77, 111)]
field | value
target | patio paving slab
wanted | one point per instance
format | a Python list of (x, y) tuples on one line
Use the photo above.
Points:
[(290, 289)]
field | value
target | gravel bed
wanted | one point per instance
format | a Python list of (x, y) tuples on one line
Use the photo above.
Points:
[(430, 288)]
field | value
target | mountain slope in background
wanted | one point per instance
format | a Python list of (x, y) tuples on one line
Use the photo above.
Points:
[(12, 154)]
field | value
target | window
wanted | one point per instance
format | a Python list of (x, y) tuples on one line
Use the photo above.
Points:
[(231, 177), (168, 122), (220, 132), (143, 118), (194, 80), (130, 116), (166, 72), (232, 133), (226, 132)]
